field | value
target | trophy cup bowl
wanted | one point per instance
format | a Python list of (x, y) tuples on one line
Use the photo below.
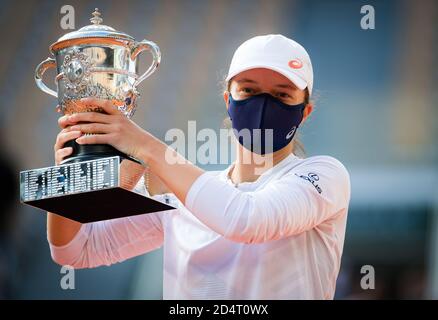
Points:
[(94, 64)]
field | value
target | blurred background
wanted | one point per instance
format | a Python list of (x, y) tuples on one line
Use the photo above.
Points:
[(376, 111)]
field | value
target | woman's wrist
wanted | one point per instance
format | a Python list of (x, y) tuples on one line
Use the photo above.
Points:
[(149, 150)]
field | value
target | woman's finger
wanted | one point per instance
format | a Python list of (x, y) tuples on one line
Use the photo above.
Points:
[(65, 121), (106, 105), (89, 117), (62, 138), (111, 109), (95, 139), (92, 128), (62, 153)]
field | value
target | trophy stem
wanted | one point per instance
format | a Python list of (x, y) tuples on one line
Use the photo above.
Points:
[(86, 152)]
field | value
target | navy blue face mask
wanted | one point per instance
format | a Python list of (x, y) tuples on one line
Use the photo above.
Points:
[(254, 117)]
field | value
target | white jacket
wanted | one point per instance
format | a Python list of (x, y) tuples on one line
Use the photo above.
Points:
[(280, 237)]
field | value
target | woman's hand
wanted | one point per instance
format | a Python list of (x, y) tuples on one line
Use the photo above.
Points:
[(65, 135), (112, 128), (115, 129)]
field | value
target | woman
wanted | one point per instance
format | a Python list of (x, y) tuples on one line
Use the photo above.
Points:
[(248, 232)]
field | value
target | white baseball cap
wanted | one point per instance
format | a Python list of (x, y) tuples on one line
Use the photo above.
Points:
[(277, 53)]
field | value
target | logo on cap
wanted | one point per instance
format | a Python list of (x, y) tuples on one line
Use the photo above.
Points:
[(295, 64)]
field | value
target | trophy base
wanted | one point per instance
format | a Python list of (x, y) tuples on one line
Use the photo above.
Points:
[(85, 191), (100, 205), (86, 152)]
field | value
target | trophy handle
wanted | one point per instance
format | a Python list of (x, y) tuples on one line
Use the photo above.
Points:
[(39, 72), (146, 45)]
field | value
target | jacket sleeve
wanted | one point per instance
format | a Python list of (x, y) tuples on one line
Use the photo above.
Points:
[(303, 198), (110, 241)]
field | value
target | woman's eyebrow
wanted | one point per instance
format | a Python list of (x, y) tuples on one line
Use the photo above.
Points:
[(246, 81), (286, 86)]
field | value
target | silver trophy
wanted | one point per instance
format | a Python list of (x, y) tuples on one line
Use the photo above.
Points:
[(93, 63)]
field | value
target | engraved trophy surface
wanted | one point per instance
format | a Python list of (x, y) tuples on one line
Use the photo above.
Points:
[(93, 63), (96, 62)]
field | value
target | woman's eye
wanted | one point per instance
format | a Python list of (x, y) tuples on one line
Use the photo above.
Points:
[(283, 95), (247, 90)]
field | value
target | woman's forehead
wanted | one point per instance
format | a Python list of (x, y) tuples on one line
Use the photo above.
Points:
[(263, 77)]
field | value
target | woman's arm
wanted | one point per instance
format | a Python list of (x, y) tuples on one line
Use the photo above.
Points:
[(61, 230), (110, 241), (299, 201), (283, 208), (105, 242), (115, 129)]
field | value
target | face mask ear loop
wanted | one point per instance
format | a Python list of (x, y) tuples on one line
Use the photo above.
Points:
[(302, 114), (229, 101)]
